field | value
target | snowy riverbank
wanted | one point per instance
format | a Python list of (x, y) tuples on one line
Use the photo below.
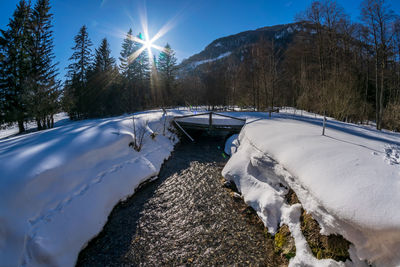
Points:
[(348, 180), (58, 186)]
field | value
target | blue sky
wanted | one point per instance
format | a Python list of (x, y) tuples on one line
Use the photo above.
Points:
[(194, 23)]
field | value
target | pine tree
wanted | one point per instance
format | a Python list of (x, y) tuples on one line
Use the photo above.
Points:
[(167, 70), (102, 94), (126, 53), (154, 84), (82, 56), (136, 73), (44, 91), (142, 69), (103, 61), (2, 79), (129, 95), (15, 66), (76, 83)]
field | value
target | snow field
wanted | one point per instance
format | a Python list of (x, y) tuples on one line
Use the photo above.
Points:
[(58, 186)]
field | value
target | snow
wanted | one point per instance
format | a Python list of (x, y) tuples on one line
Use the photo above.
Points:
[(294, 28), (392, 154), (58, 186), (7, 131), (197, 63), (348, 180), (280, 35), (231, 144)]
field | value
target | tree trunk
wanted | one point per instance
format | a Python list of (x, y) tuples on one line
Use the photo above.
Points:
[(366, 93), (265, 88), (39, 125), (21, 127), (376, 93), (48, 121), (381, 95), (272, 98), (254, 92)]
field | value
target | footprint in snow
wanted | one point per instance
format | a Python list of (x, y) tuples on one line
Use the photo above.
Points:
[(392, 154)]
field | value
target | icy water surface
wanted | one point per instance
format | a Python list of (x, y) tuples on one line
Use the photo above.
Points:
[(186, 217)]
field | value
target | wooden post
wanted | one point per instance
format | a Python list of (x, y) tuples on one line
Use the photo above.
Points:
[(165, 119), (210, 121)]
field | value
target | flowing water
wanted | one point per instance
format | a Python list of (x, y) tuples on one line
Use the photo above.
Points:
[(186, 217)]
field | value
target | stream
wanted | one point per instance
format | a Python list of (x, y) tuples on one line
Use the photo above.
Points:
[(186, 217)]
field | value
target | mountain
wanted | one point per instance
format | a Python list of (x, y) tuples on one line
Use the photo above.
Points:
[(235, 46)]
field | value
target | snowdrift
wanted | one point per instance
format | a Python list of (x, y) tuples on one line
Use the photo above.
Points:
[(348, 180), (58, 187)]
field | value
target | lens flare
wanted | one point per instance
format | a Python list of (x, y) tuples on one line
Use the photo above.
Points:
[(147, 42)]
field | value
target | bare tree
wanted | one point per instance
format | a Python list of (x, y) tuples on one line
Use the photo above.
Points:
[(139, 132), (377, 16)]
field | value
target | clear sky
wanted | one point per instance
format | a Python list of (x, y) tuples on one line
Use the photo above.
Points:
[(194, 24)]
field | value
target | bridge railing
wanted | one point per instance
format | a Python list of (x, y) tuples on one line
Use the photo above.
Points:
[(210, 125)]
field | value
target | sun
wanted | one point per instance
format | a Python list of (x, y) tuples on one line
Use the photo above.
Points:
[(146, 41), (147, 44)]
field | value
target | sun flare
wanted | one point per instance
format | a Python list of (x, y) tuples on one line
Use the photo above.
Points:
[(146, 41), (147, 44)]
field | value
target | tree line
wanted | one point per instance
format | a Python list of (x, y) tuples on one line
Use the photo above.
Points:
[(97, 87), (29, 88), (333, 66)]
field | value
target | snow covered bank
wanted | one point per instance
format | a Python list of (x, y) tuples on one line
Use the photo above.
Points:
[(58, 186), (348, 180)]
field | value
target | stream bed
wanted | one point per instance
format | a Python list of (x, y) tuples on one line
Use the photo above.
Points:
[(186, 217)]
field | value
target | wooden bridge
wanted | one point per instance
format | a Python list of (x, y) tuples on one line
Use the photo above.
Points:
[(210, 122)]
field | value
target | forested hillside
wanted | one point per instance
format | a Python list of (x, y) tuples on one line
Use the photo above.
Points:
[(324, 63)]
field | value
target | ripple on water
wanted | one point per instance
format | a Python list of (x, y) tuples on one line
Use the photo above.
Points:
[(186, 216)]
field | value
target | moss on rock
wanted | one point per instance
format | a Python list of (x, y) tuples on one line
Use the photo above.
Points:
[(323, 247), (284, 243)]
